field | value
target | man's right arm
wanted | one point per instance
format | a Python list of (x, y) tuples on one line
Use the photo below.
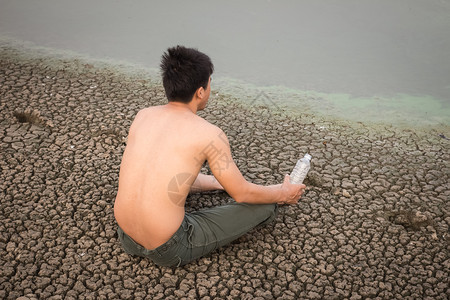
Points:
[(227, 173)]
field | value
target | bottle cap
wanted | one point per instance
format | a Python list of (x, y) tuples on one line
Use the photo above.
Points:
[(308, 156)]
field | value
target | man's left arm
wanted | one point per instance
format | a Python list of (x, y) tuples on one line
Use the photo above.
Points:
[(205, 183)]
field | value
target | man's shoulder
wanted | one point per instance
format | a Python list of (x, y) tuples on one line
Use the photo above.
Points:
[(214, 135), (149, 109), (209, 128), (144, 112)]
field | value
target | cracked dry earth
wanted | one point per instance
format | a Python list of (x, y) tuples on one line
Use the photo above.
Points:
[(374, 222)]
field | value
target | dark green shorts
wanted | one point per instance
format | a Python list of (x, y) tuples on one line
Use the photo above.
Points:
[(204, 231)]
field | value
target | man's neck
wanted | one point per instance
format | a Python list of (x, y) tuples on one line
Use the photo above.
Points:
[(183, 106)]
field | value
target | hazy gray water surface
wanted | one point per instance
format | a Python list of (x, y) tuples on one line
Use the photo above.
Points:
[(386, 60)]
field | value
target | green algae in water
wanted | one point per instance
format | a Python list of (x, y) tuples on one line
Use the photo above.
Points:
[(397, 110), (401, 109)]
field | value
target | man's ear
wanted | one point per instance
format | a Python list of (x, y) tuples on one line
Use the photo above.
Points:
[(200, 92)]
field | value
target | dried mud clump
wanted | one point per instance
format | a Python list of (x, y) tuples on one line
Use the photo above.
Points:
[(409, 219), (31, 116)]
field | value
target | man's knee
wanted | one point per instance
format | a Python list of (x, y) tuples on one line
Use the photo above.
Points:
[(270, 213)]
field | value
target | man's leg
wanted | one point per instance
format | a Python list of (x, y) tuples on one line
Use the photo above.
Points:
[(212, 228)]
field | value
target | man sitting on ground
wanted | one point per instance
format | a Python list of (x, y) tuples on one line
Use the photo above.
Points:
[(167, 146)]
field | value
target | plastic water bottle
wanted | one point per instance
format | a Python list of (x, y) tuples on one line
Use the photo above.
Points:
[(301, 169)]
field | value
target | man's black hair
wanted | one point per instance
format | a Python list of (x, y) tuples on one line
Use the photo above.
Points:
[(184, 70)]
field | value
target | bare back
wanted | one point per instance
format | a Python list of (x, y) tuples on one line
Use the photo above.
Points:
[(160, 163)]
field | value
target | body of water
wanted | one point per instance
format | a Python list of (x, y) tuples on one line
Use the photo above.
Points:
[(382, 61)]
